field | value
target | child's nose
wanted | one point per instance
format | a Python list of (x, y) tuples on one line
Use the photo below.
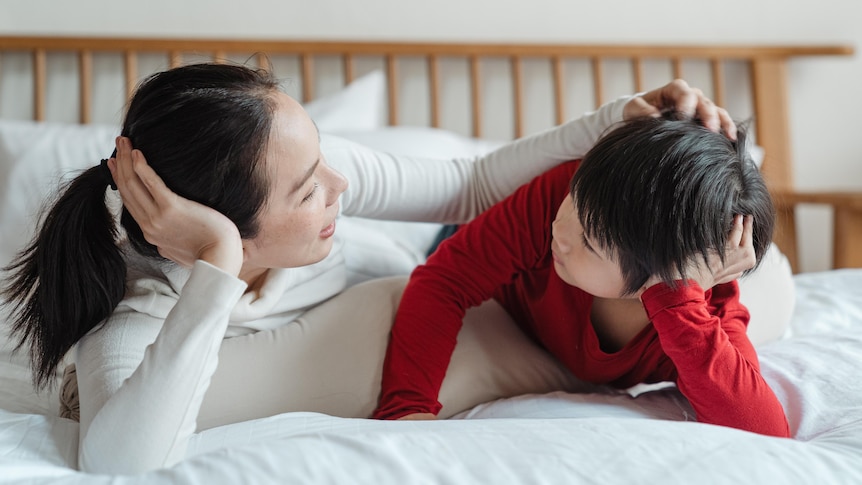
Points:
[(556, 233)]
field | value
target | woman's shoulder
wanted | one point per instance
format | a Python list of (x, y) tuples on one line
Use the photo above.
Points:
[(152, 286)]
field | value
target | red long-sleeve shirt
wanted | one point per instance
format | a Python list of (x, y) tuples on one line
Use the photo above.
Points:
[(696, 338)]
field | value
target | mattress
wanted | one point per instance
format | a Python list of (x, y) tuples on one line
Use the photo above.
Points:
[(605, 437)]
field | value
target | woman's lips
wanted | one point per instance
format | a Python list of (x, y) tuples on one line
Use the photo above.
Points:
[(328, 231)]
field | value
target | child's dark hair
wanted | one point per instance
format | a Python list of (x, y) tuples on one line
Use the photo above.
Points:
[(658, 192), (203, 128)]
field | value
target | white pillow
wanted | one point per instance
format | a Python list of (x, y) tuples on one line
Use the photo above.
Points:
[(36, 157), (419, 141), (358, 106), (375, 248), (769, 294)]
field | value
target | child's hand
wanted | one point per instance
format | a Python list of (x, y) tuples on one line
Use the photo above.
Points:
[(739, 256), (182, 230)]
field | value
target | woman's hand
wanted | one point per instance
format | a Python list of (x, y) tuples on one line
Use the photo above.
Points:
[(679, 96), (739, 256), (182, 230)]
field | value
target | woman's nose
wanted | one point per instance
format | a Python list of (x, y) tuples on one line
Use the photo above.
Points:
[(337, 186)]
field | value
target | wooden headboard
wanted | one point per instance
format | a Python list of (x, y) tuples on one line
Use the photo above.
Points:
[(764, 69)]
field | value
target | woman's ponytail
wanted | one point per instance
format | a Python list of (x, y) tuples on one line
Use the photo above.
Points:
[(69, 278), (199, 126)]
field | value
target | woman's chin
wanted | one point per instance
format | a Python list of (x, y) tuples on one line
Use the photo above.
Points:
[(323, 253)]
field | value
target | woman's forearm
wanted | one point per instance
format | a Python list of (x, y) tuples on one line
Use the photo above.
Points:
[(139, 402), (393, 187)]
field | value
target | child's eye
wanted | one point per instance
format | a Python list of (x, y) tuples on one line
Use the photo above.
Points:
[(587, 243), (311, 194)]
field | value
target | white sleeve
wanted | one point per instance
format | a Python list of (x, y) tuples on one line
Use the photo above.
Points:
[(139, 402), (385, 186)]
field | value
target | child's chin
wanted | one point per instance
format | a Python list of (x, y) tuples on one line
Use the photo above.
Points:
[(566, 277)]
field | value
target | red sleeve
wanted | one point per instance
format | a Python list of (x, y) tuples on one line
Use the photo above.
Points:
[(464, 271), (718, 372)]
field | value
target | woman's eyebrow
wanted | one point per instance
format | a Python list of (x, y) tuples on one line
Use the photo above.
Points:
[(298, 185)]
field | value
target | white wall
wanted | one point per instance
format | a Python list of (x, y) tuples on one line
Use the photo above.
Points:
[(825, 100)]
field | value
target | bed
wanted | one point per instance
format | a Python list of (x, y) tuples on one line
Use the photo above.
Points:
[(60, 102)]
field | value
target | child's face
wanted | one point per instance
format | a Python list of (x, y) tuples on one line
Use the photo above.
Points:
[(580, 261)]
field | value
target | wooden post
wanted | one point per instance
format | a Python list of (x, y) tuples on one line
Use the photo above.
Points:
[(847, 238), (769, 88)]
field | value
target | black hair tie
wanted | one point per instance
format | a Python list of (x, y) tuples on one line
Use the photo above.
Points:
[(106, 172)]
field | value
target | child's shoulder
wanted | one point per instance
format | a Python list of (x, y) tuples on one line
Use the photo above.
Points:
[(559, 176)]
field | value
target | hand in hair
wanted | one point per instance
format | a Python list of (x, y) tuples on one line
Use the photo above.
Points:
[(679, 96), (182, 230), (739, 256)]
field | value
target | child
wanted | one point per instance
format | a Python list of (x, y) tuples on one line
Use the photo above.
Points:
[(630, 279)]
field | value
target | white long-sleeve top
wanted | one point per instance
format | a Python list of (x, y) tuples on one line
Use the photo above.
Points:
[(142, 374)]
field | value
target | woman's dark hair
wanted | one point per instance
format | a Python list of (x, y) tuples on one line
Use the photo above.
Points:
[(658, 192), (203, 128)]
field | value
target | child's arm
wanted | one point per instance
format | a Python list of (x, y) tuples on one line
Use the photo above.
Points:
[(704, 334), (717, 367), (464, 271)]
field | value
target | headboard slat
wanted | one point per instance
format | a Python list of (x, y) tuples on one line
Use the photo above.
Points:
[(434, 89), (263, 61), (717, 68), (598, 82), (40, 76), (175, 58), (517, 95), (559, 90), (85, 76), (307, 77), (476, 95), (392, 82), (349, 68), (638, 72), (676, 62), (131, 72)]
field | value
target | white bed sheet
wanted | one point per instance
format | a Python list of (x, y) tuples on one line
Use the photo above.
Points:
[(551, 438)]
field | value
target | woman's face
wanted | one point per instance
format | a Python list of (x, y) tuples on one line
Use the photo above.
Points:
[(298, 220), (580, 261)]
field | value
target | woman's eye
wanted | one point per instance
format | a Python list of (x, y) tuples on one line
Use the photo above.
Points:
[(311, 194)]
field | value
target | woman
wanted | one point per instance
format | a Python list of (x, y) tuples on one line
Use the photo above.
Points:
[(235, 188)]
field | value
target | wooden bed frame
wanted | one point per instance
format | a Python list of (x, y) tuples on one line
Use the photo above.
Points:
[(766, 66)]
